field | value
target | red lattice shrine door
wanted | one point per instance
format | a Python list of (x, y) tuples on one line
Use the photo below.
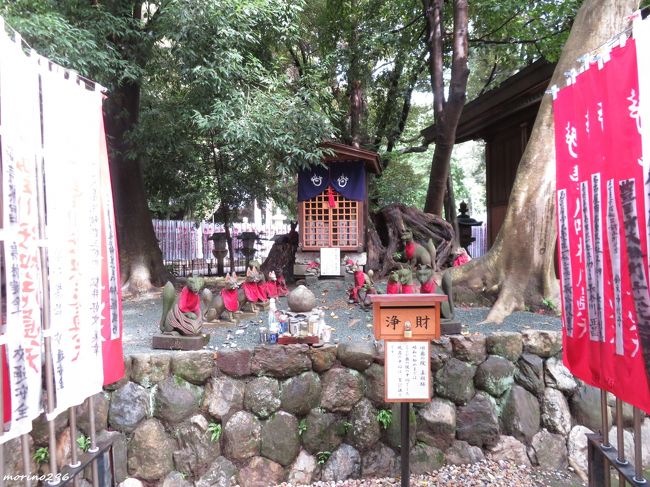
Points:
[(324, 226)]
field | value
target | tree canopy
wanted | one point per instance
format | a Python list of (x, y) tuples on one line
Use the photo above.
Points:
[(215, 103)]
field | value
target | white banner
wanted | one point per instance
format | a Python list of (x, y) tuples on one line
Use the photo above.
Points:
[(20, 137), (71, 117)]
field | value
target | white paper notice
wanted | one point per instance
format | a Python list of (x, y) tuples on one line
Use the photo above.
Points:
[(408, 371), (330, 261)]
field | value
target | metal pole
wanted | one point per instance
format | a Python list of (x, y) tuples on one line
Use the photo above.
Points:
[(638, 460), (74, 461), (27, 468), (47, 339), (93, 438), (605, 445), (620, 443), (603, 414), (405, 443)]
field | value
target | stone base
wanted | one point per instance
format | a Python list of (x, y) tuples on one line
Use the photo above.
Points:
[(178, 342), (450, 327)]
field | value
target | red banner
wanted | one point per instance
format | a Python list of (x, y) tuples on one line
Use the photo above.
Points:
[(602, 234)]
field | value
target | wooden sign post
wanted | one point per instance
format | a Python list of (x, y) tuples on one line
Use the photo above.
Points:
[(407, 323)]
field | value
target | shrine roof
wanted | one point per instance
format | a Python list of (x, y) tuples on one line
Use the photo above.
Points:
[(348, 153), (516, 93)]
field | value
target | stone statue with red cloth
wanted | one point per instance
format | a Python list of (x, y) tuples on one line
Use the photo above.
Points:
[(182, 315), (282, 284), (272, 286), (230, 300)]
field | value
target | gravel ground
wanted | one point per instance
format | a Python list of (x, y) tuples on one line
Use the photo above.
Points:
[(481, 474), (142, 315)]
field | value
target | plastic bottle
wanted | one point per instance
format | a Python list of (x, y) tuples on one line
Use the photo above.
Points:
[(272, 323)]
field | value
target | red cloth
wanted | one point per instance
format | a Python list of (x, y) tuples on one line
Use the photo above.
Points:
[(408, 288), (282, 286), (230, 299), (189, 302), (252, 291), (600, 203), (359, 278), (330, 197), (261, 291), (272, 289), (6, 390), (462, 259), (409, 249), (392, 287), (428, 287)]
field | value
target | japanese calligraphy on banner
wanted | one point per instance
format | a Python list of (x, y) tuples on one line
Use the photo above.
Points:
[(408, 371), (21, 331), (603, 182), (52, 126), (71, 166)]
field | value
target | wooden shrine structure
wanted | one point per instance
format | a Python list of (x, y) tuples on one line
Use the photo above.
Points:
[(503, 118), (333, 203)]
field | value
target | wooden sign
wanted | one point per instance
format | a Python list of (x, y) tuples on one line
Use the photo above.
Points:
[(407, 371), (330, 261), (397, 314)]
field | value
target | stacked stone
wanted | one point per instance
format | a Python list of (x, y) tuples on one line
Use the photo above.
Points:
[(299, 415)]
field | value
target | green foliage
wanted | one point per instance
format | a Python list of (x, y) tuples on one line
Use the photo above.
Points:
[(215, 431), (385, 417), (551, 305), (302, 426), (323, 456), (84, 443), (41, 455), (400, 183)]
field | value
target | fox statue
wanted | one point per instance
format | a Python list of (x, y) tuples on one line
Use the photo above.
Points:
[(417, 254)]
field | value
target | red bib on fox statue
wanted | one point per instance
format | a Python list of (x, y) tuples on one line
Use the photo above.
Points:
[(282, 285), (272, 289), (230, 299), (252, 292), (189, 302), (428, 287), (409, 289), (392, 288), (409, 250)]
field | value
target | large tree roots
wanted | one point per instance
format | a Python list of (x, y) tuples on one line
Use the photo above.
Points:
[(389, 223)]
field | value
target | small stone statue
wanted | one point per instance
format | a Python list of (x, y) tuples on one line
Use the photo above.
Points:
[(252, 289), (361, 280), (393, 285), (182, 315), (272, 286), (406, 281), (231, 299), (428, 285), (415, 253), (282, 284)]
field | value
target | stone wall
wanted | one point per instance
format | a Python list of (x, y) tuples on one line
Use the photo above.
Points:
[(302, 414)]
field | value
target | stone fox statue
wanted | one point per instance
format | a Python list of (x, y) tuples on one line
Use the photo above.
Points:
[(231, 299), (428, 285), (417, 254), (182, 314)]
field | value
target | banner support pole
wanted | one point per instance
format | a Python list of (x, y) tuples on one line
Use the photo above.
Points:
[(405, 443)]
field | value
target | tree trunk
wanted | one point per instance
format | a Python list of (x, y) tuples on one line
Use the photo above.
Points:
[(282, 255), (519, 268), (388, 225), (141, 264), (446, 112)]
